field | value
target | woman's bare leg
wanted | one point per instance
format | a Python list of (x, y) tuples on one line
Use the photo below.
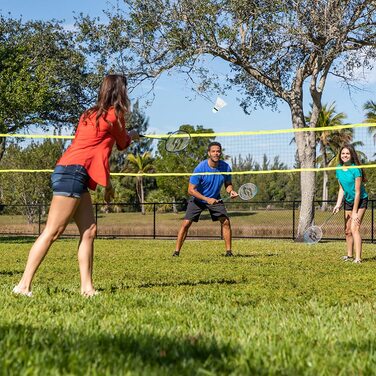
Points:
[(84, 218), (61, 211), (355, 230), (348, 234)]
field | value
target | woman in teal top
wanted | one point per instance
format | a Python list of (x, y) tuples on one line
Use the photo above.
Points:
[(351, 189)]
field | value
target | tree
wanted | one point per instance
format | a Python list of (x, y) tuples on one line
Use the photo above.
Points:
[(271, 187), (140, 163), (140, 122), (370, 107), (44, 78), (29, 189), (273, 48)]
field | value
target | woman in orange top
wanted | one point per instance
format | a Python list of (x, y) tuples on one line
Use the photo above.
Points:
[(84, 165)]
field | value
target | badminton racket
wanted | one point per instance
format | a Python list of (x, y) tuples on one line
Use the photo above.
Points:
[(314, 234), (176, 141), (246, 192)]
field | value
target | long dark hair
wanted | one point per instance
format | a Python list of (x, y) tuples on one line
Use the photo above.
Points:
[(354, 159), (112, 93)]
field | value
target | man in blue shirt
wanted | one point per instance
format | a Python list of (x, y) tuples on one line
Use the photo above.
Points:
[(205, 192)]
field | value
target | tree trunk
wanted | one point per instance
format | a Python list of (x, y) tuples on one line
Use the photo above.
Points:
[(138, 191), (325, 181), (307, 186), (325, 194), (2, 147), (306, 146), (142, 194)]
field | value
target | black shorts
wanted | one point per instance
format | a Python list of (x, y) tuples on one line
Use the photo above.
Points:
[(195, 208), (363, 203)]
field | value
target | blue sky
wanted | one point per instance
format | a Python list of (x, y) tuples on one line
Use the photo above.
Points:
[(171, 107)]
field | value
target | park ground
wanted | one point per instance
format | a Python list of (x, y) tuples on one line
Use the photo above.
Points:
[(276, 308)]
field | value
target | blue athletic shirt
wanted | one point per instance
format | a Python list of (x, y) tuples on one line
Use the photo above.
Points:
[(347, 181), (210, 185)]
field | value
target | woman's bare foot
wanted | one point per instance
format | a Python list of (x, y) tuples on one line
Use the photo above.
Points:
[(22, 291), (90, 293)]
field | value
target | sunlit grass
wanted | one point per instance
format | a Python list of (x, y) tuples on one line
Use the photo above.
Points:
[(276, 308)]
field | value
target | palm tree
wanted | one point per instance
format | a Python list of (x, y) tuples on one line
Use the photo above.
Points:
[(370, 107), (140, 163), (330, 142)]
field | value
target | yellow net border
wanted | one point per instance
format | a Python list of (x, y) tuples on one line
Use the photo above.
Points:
[(214, 134), (248, 172)]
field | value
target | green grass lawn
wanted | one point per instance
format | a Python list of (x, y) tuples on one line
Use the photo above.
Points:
[(277, 308)]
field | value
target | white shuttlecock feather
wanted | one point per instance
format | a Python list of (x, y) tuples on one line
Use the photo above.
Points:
[(219, 103)]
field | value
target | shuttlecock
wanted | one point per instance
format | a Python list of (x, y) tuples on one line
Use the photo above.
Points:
[(219, 103)]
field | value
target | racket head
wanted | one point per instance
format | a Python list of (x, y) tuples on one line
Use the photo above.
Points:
[(177, 141), (312, 235), (247, 191)]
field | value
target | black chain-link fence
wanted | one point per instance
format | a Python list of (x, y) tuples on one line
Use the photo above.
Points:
[(270, 220)]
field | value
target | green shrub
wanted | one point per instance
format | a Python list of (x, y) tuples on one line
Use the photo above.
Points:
[(164, 201)]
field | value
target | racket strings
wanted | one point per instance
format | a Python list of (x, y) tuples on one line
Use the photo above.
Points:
[(177, 141), (247, 191), (312, 235)]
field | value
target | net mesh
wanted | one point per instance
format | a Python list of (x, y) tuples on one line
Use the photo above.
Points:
[(260, 151), (250, 152)]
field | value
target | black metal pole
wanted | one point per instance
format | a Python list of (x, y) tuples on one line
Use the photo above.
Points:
[(154, 220)]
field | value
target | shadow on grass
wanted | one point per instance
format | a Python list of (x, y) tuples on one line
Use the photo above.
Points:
[(257, 255), (18, 239), (369, 259), (10, 272), (176, 284), (64, 351)]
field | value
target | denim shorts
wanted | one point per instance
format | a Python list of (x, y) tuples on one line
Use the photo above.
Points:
[(69, 181)]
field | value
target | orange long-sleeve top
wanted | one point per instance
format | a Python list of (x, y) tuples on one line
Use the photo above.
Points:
[(92, 146)]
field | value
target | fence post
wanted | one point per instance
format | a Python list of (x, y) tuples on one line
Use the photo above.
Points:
[(154, 220), (293, 220)]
